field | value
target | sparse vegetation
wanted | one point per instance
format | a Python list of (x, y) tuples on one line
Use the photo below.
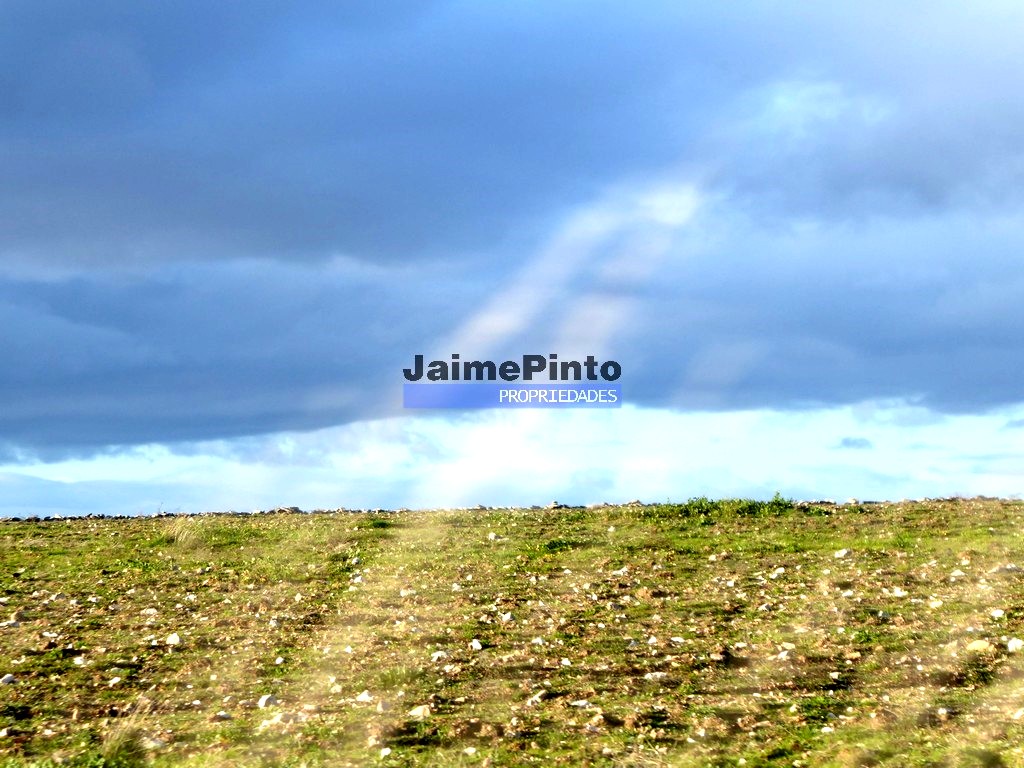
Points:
[(730, 632)]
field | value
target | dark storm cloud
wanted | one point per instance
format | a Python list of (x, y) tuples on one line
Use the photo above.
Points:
[(136, 132), (296, 131), (925, 312), (202, 351), (178, 182)]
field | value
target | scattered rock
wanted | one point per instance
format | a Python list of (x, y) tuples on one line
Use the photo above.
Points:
[(537, 698), (173, 639), (267, 700), (364, 698), (979, 646), (422, 712), (1014, 644), (840, 553), (281, 718), (7, 679)]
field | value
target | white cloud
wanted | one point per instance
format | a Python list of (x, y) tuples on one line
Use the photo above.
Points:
[(506, 457)]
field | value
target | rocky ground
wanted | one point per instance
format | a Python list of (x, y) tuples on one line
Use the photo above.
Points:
[(706, 633)]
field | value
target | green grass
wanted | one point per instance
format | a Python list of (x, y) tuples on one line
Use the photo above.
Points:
[(712, 632)]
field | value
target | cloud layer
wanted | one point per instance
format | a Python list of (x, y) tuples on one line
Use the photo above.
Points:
[(222, 223)]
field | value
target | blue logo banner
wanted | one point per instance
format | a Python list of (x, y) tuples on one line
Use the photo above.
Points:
[(491, 394)]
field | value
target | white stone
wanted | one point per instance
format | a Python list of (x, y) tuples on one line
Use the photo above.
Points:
[(173, 639), (267, 700)]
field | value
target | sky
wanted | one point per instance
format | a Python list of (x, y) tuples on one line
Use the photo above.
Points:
[(226, 228)]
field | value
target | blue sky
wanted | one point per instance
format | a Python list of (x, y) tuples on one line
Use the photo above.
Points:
[(226, 229)]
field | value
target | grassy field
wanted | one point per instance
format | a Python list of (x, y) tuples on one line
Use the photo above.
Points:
[(706, 633)]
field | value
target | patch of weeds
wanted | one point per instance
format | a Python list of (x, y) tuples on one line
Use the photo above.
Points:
[(139, 564), (560, 545), (903, 539), (976, 670), (414, 733), (815, 510), (694, 508), (15, 712), (867, 636), (123, 748), (979, 757), (399, 677)]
